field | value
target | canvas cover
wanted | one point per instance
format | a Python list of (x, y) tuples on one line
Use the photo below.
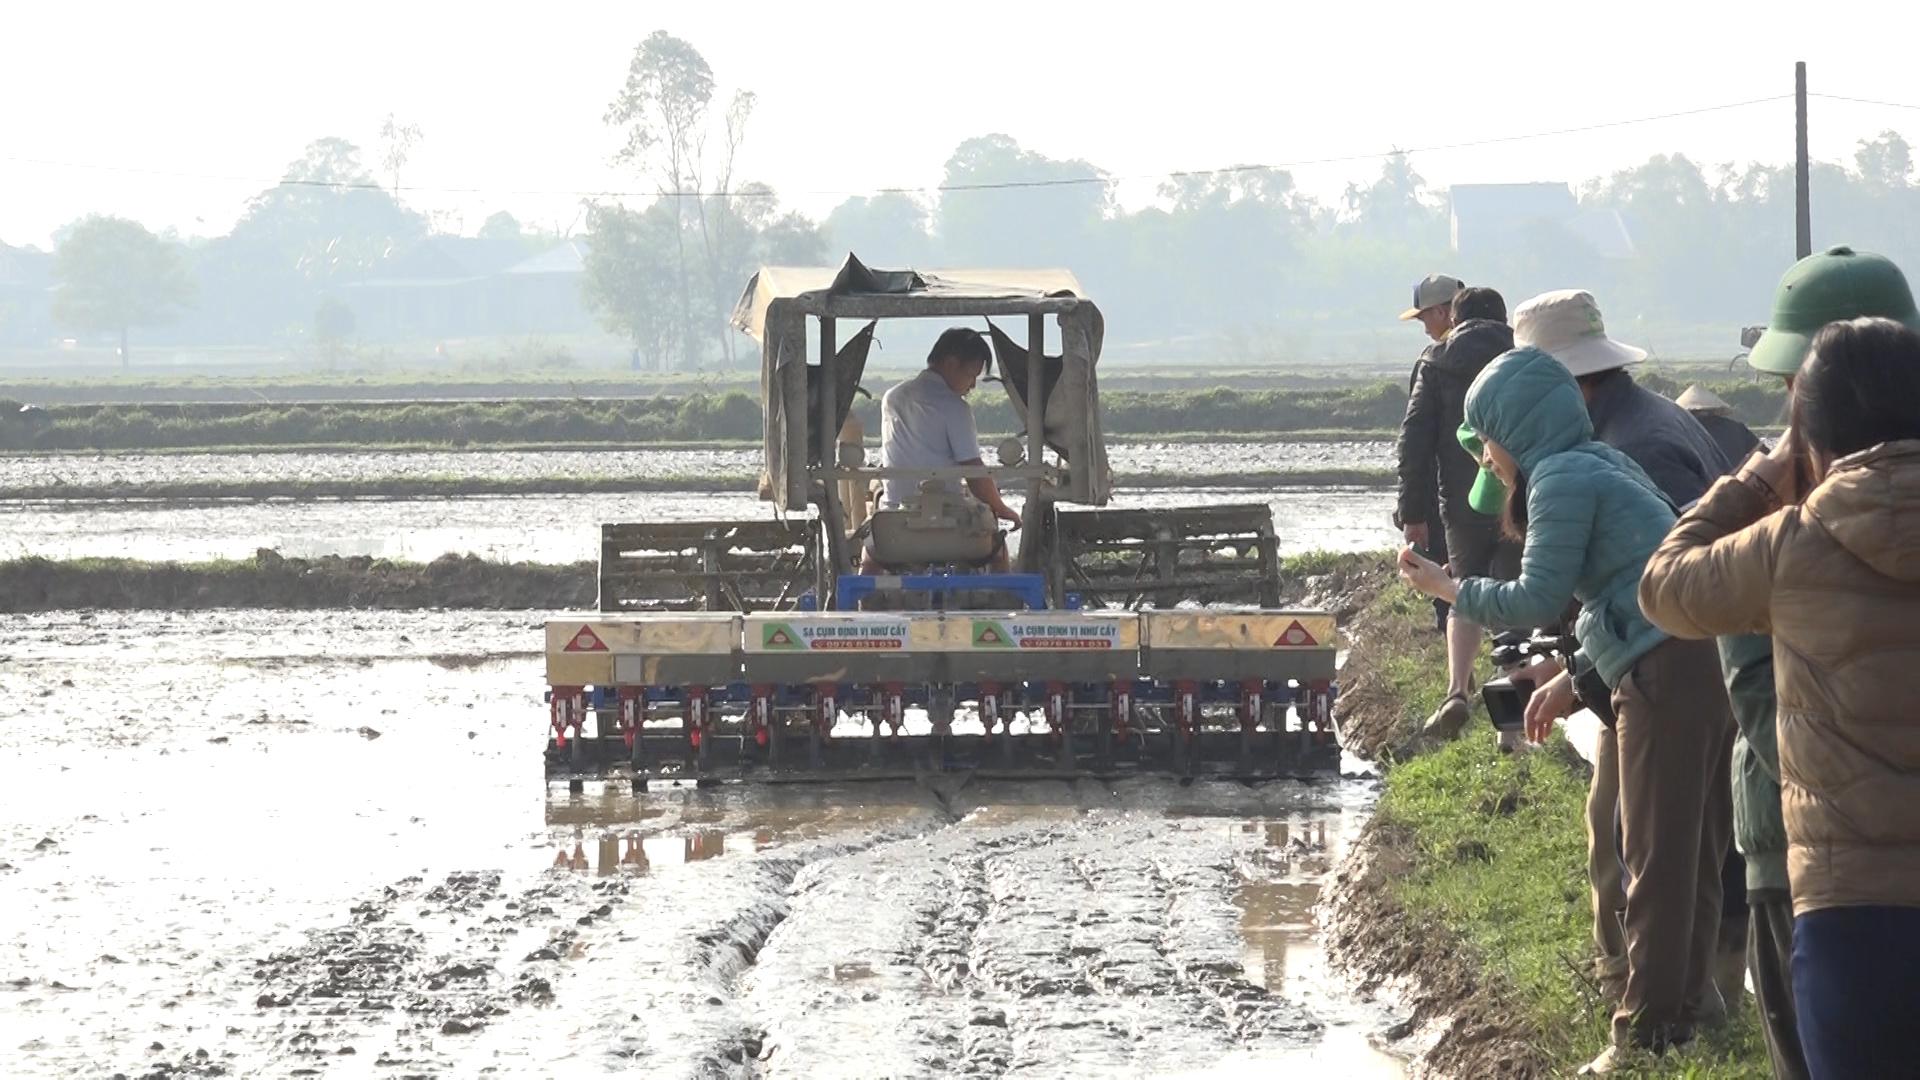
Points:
[(774, 309)]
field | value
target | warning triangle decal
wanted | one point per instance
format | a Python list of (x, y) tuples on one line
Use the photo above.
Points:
[(1295, 636), (586, 641), (990, 634)]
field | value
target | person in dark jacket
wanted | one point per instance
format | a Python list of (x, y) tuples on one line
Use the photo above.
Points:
[(1590, 518), (1734, 438), (1437, 474), (1433, 310)]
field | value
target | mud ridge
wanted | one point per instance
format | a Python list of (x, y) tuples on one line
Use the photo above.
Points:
[(269, 580), (1458, 1022)]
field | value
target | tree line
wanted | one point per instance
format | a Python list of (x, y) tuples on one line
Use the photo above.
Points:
[(1236, 264)]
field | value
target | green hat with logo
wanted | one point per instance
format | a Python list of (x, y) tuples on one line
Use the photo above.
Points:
[(1489, 495), (1837, 284)]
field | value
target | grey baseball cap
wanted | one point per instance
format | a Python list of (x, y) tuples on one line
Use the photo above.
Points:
[(1433, 290)]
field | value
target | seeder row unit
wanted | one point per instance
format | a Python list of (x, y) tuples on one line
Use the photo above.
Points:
[(838, 695)]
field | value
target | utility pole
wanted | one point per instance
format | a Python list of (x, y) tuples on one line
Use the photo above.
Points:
[(1803, 213)]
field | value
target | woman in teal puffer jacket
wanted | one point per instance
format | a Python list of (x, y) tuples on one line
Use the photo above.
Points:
[(1590, 518)]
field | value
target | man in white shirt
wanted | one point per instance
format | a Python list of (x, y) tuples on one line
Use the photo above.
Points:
[(926, 423)]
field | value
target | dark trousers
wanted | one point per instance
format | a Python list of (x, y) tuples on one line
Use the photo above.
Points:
[(1856, 984), (1770, 963), (1675, 737)]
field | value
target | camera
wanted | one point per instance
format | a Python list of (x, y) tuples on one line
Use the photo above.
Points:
[(1506, 697)]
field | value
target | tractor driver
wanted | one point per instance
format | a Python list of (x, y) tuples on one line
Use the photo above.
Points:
[(926, 423)]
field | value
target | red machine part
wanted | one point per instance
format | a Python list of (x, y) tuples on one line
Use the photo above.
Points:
[(1320, 710), (696, 714), (1122, 708), (826, 709), (566, 710), (1186, 707), (894, 706), (1253, 693), (762, 714), (1057, 709), (633, 712), (990, 707)]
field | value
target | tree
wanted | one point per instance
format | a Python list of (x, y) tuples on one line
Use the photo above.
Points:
[(112, 274), (501, 226), (631, 275), (326, 223), (888, 229), (663, 110), (398, 141), (987, 218)]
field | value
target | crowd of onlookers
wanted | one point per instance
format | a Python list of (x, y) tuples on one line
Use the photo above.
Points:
[(1748, 627)]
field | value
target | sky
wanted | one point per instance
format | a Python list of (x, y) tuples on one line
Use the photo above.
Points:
[(175, 114)]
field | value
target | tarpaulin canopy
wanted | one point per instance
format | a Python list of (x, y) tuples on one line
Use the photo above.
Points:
[(774, 309)]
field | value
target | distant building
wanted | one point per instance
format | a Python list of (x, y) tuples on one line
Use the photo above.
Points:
[(1497, 219), (462, 286)]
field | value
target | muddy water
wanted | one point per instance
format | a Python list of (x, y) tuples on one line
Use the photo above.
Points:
[(541, 528), (101, 469), (289, 844)]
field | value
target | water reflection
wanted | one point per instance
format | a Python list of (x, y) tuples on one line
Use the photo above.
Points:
[(634, 852)]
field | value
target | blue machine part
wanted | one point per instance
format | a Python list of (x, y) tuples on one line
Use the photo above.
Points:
[(849, 589)]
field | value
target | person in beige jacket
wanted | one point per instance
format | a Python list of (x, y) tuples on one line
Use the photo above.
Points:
[(1818, 543)]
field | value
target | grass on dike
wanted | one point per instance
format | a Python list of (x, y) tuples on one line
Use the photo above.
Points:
[(1500, 858)]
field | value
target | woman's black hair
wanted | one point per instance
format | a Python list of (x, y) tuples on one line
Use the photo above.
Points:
[(1860, 387), (1513, 512)]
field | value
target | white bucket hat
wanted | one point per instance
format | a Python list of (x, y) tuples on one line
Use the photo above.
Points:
[(1566, 325)]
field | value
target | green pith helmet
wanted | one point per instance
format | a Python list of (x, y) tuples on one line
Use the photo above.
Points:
[(1488, 494), (1837, 284)]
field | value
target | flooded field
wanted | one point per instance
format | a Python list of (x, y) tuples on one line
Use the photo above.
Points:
[(318, 844), (541, 528), (92, 470)]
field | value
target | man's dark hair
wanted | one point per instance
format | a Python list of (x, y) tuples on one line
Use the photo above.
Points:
[(1860, 387), (960, 343), (1478, 302)]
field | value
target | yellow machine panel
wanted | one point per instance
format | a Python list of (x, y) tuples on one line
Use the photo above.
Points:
[(1238, 630), (644, 648)]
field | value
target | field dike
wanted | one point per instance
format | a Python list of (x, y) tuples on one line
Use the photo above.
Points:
[(1463, 906), (269, 580)]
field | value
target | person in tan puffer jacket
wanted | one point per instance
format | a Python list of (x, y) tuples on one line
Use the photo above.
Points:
[(1836, 580)]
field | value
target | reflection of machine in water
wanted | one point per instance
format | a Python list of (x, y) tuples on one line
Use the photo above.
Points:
[(753, 649), (1277, 897), (633, 852)]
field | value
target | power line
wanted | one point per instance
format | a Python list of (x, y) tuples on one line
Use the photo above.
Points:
[(1864, 101), (1000, 185)]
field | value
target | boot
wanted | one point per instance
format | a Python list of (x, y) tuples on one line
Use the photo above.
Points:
[(1449, 718)]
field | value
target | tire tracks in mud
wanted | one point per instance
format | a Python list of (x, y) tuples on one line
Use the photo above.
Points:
[(1032, 948), (427, 978)]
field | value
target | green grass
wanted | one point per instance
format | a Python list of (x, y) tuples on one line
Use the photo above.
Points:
[(1500, 859)]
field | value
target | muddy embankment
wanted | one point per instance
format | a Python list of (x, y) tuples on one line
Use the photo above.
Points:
[(269, 581), (1458, 1021), (435, 487)]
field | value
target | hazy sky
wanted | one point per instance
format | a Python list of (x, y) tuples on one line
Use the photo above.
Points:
[(855, 96)]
